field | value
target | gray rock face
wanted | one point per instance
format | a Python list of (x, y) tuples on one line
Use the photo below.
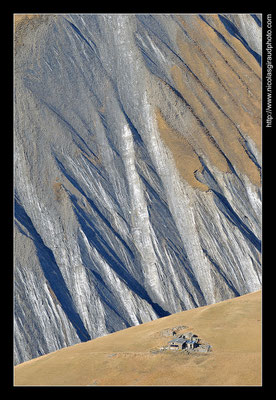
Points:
[(137, 167)]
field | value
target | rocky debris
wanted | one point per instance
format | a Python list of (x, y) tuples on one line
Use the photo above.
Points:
[(112, 355), (172, 331), (202, 348)]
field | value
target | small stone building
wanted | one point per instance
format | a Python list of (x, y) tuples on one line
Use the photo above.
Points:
[(189, 335), (186, 341), (190, 344), (177, 344)]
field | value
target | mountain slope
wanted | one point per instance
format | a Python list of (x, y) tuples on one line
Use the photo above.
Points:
[(137, 170), (232, 327)]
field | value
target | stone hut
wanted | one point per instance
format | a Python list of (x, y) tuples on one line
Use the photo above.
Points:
[(187, 341), (190, 344), (189, 335), (177, 344)]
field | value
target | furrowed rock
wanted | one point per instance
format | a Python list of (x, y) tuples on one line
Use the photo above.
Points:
[(137, 164)]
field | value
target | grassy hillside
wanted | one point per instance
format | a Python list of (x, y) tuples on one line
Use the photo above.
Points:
[(231, 327)]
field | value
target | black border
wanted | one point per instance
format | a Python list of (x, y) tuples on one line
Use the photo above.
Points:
[(160, 8)]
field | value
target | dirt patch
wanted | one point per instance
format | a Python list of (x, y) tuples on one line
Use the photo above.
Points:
[(186, 159), (25, 22), (224, 93), (58, 191), (23, 17)]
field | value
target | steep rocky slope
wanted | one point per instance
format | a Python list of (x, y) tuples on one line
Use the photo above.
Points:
[(137, 158)]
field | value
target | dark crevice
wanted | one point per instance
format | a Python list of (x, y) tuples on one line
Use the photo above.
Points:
[(221, 273), (94, 236), (52, 273), (232, 29), (108, 254), (204, 128), (93, 47), (94, 207), (225, 207)]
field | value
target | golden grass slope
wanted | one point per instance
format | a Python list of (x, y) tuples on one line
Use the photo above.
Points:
[(232, 327)]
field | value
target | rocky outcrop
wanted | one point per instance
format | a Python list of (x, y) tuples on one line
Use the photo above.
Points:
[(137, 164)]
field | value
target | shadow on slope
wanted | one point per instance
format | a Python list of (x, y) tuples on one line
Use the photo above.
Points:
[(231, 28), (52, 273)]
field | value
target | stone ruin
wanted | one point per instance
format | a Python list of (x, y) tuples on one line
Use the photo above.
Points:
[(172, 331), (187, 342)]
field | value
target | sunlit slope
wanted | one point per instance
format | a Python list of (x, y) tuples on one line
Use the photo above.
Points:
[(232, 327), (137, 165)]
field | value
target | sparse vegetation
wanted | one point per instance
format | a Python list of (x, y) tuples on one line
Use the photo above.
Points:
[(134, 356)]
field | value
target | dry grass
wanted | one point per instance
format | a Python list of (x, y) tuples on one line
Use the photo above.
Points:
[(232, 327)]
